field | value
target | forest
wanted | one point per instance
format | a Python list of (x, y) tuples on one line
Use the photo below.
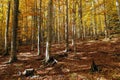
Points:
[(59, 39)]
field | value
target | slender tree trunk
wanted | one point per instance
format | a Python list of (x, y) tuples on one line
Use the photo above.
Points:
[(63, 22), (34, 26), (95, 21), (118, 9), (33, 31), (100, 21), (66, 29), (92, 20), (49, 30), (59, 21), (39, 28), (81, 21), (105, 21), (2, 17), (2, 11), (6, 29), (13, 56), (74, 26), (84, 30), (26, 23)]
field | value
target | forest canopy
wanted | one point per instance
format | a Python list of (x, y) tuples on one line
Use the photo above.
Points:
[(92, 13)]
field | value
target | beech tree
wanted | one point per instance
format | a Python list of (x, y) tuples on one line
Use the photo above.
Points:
[(26, 23), (13, 56), (59, 21), (49, 29), (105, 21), (34, 17), (39, 27), (80, 17), (74, 26), (66, 29), (6, 29), (118, 8)]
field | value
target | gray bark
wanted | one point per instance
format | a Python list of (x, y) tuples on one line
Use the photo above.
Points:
[(49, 30), (66, 29), (74, 27)]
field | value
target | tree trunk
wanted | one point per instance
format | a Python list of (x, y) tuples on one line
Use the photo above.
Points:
[(39, 28), (58, 21), (95, 21), (105, 21), (26, 23), (81, 21), (33, 32), (66, 29), (13, 56), (34, 26), (6, 29), (49, 30), (74, 26), (118, 9)]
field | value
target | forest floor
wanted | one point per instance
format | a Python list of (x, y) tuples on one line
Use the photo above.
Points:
[(106, 55)]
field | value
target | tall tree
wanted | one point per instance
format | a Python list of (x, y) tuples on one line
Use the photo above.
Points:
[(49, 29), (95, 20), (66, 29), (39, 27), (2, 17), (34, 25), (59, 21), (26, 23), (6, 29), (74, 26), (118, 8), (81, 20), (105, 20), (13, 56)]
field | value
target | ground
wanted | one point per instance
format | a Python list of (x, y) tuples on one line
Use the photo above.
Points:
[(75, 66)]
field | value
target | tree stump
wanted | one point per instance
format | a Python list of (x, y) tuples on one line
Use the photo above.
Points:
[(27, 72), (94, 67), (52, 61)]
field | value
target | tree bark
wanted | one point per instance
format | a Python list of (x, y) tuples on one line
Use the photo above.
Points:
[(95, 21), (6, 29), (66, 29), (13, 56), (39, 28), (74, 26), (59, 21), (118, 9), (34, 26), (49, 30), (81, 21), (26, 23), (105, 21)]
